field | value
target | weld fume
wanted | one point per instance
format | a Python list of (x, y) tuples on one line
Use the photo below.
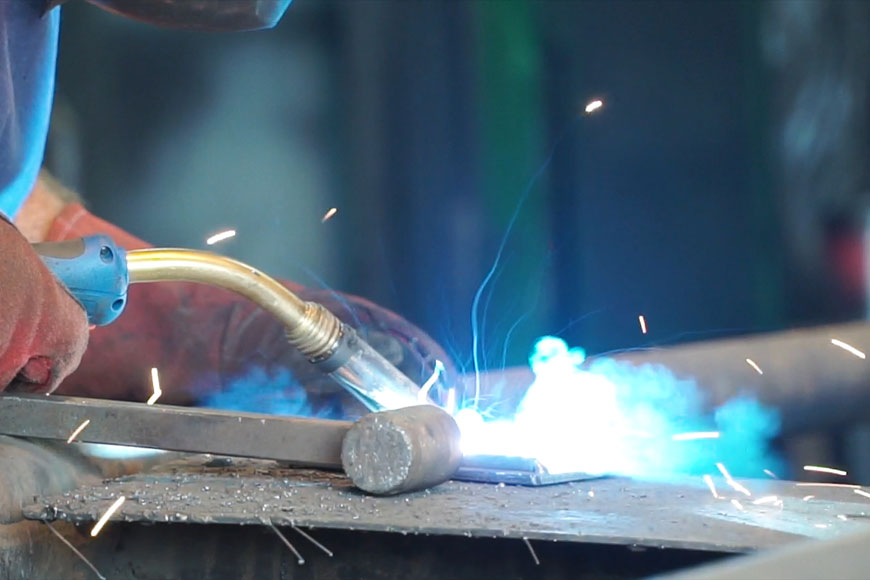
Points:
[(612, 417), (273, 392)]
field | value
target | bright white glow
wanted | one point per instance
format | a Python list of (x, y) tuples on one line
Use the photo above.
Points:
[(328, 215), (78, 430), (642, 322), (423, 394), (155, 385), (593, 106), (695, 435), (820, 469), (606, 417), (737, 504), (119, 451), (862, 492), (105, 517), (220, 236), (450, 407), (754, 365), (848, 348), (769, 473), (570, 420), (809, 497)]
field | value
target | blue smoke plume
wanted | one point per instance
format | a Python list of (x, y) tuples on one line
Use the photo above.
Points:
[(614, 418)]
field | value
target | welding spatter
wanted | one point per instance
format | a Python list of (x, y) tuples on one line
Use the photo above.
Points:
[(97, 273)]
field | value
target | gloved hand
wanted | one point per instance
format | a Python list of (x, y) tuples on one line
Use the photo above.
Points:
[(212, 347), (43, 330)]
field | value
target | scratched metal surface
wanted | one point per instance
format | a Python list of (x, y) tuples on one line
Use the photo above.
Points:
[(679, 514)]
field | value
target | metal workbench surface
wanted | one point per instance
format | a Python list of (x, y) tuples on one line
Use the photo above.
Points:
[(681, 513)]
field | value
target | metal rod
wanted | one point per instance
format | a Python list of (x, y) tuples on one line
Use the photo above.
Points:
[(806, 374), (297, 441)]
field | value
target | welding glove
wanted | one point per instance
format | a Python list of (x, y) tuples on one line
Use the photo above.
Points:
[(43, 329), (214, 348)]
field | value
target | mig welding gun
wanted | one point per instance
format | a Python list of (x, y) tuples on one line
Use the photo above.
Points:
[(97, 273)]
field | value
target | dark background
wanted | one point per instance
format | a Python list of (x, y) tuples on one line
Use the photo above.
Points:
[(719, 191)]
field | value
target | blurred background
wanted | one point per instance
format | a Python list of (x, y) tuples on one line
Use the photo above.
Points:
[(721, 190)]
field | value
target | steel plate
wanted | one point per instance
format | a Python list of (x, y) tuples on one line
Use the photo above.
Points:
[(677, 514)]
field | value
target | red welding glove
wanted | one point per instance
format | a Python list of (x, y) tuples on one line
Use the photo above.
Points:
[(43, 329), (213, 347)]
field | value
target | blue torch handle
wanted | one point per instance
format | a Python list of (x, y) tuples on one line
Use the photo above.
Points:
[(94, 270)]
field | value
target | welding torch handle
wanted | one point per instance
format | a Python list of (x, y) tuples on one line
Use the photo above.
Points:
[(94, 270), (97, 273)]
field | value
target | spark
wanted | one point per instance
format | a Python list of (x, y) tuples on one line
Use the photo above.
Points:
[(287, 543), (105, 517), (813, 484), (695, 435), (769, 473), (220, 236), (155, 385), (738, 505), (822, 526), (308, 537), (723, 470), (754, 365), (593, 106), (328, 215), (451, 401), (848, 348), (820, 469), (423, 393), (809, 497), (862, 492), (842, 517), (591, 493), (642, 322), (766, 500), (738, 487), (78, 430), (709, 481), (74, 549), (732, 482), (532, 551)]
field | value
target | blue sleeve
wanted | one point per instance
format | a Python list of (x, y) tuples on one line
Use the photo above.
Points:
[(28, 55)]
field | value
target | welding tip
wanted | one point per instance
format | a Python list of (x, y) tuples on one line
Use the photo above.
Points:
[(407, 449)]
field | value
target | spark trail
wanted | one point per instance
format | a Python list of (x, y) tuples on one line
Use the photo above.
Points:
[(475, 304)]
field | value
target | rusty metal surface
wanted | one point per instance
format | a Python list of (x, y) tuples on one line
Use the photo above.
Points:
[(680, 514)]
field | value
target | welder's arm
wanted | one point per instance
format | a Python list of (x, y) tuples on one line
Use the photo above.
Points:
[(205, 341), (43, 330)]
